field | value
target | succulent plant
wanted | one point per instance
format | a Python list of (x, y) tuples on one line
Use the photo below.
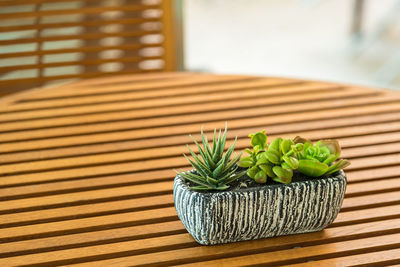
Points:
[(318, 159), (276, 160), (214, 169)]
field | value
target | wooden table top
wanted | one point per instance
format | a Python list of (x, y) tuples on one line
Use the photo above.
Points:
[(86, 169)]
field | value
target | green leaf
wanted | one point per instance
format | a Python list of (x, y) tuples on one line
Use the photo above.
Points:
[(204, 139), (251, 172), (291, 161), (197, 159), (285, 166), (248, 151), (282, 175), (233, 162), (203, 155), (223, 140), (214, 141), (297, 147), (210, 180), (285, 146), (235, 177), (227, 176), (229, 151), (331, 158), (217, 149), (200, 188), (332, 145), (273, 156), (301, 140), (194, 178), (218, 170), (267, 169), (262, 160), (245, 163), (259, 155), (312, 168), (259, 139), (275, 144), (260, 177), (341, 164), (203, 171), (222, 187)]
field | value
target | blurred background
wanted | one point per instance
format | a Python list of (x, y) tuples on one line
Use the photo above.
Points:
[(46, 42), (337, 40)]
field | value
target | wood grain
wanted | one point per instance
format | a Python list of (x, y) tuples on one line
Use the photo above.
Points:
[(86, 176)]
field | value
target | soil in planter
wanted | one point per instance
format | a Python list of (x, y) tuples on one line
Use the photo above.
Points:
[(246, 182)]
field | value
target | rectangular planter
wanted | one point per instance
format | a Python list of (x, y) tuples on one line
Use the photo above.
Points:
[(259, 212)]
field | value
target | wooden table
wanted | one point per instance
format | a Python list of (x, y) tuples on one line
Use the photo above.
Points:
[(86, 169)]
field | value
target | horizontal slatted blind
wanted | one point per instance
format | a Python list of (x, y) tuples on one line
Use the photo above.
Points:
[(44, 42)]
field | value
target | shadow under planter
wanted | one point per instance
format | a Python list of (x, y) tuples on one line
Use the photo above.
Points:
[(303, 206)]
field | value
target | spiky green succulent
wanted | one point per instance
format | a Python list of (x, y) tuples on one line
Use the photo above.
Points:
[(318, 159), (214, 169), (276, 160)]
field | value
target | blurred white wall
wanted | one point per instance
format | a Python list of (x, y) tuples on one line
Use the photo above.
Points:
[(294, 38)]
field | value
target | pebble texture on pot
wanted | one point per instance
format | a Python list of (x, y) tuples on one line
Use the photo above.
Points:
[(259, 212)]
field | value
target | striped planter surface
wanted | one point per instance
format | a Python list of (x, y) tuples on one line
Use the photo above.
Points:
[(259, 212)]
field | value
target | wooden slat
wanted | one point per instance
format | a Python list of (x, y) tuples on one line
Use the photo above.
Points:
[(84, 36), (122, 21), (27, 2), (89, 49), (383, 258), (81, 10), (76, 63)]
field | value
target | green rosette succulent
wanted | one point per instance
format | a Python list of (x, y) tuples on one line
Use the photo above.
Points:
[(214, 169), (319, 159), (276, 160)]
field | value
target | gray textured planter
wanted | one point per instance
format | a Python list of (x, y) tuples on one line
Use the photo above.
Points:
[(259, 212)]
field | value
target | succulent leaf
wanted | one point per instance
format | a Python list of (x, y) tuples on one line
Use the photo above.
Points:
[(285, 145), (275, 144), (312, 168), (273, 156), (260, 177), (318, 159), (262, 162), (259, 139), (214, 169), (267, 169), (251, 172), (341, 164), (291, 161), (282, 175)]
